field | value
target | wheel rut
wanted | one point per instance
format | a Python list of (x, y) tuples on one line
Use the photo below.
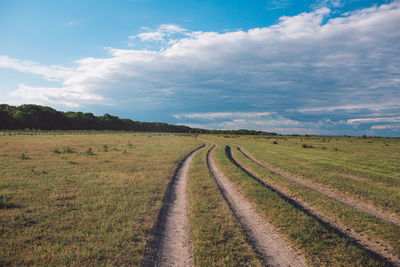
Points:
[(374, 248), (170, 245), (263, 236), (374, 211)]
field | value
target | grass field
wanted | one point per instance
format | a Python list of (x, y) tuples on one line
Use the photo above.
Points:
[(68, 206), (94, 198), (363, 169)]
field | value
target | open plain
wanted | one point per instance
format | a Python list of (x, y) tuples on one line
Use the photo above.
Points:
[(119, 198)]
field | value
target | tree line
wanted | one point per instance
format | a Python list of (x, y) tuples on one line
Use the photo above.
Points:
[(31, 116)]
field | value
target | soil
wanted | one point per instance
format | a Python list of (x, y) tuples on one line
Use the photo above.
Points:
[(171, 245)]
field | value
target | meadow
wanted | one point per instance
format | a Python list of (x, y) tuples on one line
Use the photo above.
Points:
[(83, 199), (94, 198)]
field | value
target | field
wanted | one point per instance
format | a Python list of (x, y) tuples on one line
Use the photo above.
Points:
[(97, 198)]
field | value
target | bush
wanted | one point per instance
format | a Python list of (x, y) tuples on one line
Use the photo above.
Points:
[(89, 152), (307, 146), (105, 148), (67, 150), (275, 142), (56, 151), (5, 202), (23, 156)]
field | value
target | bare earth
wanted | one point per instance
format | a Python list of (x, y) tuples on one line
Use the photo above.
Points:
[(264, 237), (376, 247), (323, 190), (174, 247)]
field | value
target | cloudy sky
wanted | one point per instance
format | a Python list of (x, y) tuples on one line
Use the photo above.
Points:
[(307, 67)]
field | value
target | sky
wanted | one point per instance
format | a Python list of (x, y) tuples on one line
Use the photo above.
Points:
[(327, 67)]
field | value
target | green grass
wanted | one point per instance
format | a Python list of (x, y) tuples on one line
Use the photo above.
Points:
[(374, 160), (216, 237), (320, 246), (74, 209), (359, 221)]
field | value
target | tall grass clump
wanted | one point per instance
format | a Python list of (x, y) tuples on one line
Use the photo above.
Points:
[(67, 150)]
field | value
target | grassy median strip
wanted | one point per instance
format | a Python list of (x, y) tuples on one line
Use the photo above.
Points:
[(320, 246), (83, 200), (359, 221), (217, 238)]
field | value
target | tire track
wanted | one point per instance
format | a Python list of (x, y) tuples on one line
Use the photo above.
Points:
[(263, 236), (375, 249), (170, 245), (372, 210)]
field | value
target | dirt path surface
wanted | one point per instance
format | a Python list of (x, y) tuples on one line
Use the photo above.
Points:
[(171, 246), (375, 248), (263, 236), (323, 190)]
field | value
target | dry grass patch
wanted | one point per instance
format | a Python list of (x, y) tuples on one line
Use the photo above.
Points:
[(88, 207)]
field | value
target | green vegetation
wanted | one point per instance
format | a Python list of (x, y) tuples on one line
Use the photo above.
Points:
[(93, 198), (367, 169), (216, 237), (71, 209), (361, 222), (46, 118)]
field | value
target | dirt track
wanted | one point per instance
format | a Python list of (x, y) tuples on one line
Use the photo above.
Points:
[(263, 236), (171, 246), (377, 249)]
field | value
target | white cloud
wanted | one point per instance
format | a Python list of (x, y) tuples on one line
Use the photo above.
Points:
[(222, 115), (151, 36), (171, 28), (53, 73), (371, 120), (385, 127), (71, 97), (161, 34)]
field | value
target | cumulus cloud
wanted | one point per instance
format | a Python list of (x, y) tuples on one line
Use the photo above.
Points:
[(305, 69), (71, 97)]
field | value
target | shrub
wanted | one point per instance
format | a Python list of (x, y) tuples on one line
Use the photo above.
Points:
[(105, 148), (89, 152), (5, 202), (56, 151), (23, 156), (275, 142), (67, 150), (307, 146)]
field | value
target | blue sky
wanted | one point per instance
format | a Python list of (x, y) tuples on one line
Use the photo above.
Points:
[(307, 67)]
